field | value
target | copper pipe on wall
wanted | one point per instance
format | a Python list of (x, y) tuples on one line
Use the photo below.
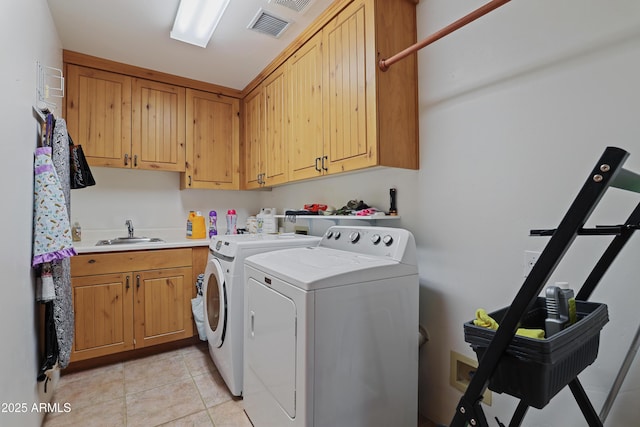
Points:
[(384, 64)]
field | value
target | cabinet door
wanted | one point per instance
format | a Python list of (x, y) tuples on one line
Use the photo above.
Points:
[(274, 149), (305, 110), (99, 114), (349, 64), (103, 310), (158, 138), (162, 311), (213, 141), (253, 134)]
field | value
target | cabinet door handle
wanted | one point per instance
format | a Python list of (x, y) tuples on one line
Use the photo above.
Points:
[(189, 180), (135, 161), (253, 323), (259, 179), (324, 168), (126, 159), (317, 167), (127, 283), (137, 281)]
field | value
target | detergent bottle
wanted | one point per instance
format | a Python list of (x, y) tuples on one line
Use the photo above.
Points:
[(213, 226), (199, 230)]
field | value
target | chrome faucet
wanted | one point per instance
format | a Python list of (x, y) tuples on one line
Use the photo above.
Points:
[(129, 225)]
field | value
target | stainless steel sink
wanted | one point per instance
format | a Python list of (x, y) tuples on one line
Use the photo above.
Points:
[(124, 240)]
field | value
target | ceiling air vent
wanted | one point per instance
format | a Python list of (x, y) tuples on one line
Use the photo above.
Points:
[(296, 5), (267, 23)]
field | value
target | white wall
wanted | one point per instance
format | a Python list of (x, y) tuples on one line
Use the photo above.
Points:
[(26, 36), (515, 110), (151, 199)]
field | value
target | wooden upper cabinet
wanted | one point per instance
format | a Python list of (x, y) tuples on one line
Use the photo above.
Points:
[(266, 132), (213, 141), (305, 110), (98, 111), (349, 63), (126, 122), (275, 145), (158, 138), (345, 113), (253, 138)]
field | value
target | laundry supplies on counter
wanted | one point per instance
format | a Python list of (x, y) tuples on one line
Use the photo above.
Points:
[(231, 222), (213, 223), (266, 221), (196, 228)]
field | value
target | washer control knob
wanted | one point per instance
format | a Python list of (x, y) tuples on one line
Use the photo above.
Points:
[(375, 239), (329, 234), (354, 237), (337, 235), (387, 240)]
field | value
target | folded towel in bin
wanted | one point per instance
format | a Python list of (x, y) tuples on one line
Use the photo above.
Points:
[(484, 320)]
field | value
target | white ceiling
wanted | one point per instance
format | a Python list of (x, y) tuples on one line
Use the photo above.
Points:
[(136, 32)]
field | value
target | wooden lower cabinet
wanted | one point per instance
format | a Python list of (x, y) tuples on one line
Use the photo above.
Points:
[(116, 311)]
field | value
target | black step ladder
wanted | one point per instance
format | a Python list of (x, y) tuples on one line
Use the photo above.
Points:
[(608, 172)]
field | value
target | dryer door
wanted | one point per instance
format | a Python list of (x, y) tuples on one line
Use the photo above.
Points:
[(216, 304)]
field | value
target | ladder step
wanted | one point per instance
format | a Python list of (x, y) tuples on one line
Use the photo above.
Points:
[(600, 230)]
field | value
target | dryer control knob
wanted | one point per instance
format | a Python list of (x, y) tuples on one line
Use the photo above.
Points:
[(329, 234), (337, 235), (388, 240), (375, 239), (354, 237)]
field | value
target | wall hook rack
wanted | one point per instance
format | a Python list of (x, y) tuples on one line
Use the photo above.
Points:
[(50, 84)]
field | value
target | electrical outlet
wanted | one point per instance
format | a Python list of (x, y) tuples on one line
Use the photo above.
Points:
[(530, 259), (301, 229), (461, 371)]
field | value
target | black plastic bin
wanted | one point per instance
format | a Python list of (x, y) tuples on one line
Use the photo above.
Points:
[(535, 370)]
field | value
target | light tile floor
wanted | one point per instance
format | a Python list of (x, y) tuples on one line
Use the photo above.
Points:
[(177, 388)]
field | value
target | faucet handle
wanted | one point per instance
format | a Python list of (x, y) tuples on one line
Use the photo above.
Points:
[(129, 225)]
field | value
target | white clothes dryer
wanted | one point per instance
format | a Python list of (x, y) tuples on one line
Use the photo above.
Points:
[(331, 332), (223, 290)]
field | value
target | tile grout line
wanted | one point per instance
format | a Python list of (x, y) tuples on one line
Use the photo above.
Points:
[(199, 392)]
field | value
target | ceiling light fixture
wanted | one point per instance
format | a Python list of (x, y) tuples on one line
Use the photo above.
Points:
[(196, 20)]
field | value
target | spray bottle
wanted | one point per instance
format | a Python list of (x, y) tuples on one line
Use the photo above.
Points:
[(231, 222)]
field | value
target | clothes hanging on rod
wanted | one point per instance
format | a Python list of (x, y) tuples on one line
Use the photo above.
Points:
[(63, 304), (52, 243), (52, 233), (81, 176)]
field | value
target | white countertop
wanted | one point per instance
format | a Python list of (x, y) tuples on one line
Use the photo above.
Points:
[(173, 238)]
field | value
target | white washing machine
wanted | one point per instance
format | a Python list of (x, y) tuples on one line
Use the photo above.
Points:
[(223, 295), (331, 332)]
